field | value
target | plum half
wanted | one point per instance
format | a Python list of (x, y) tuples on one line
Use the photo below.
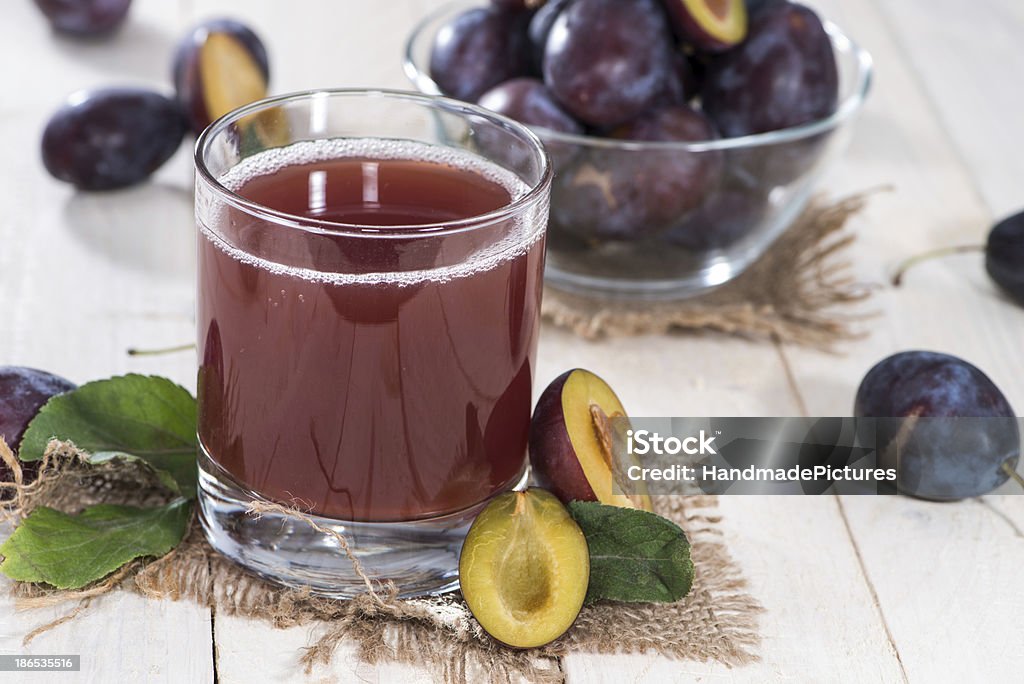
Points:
[(572, 440), (219, 66), (708, 25), (525, 568)]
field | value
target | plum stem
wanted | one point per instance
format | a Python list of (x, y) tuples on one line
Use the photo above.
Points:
[(163, 350), (901, 270), (520, 503), (1008, 469)]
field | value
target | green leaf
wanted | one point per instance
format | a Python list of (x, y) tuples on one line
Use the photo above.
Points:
[(135, 416), (70, 551), (634, 555)]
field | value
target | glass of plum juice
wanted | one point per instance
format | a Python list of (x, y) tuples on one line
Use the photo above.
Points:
[(369, 283)]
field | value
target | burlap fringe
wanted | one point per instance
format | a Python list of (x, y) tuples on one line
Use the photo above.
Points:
[(717, 621), (793, 293)]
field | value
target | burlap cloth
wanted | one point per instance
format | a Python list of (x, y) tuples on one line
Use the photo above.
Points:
[(717, 621), (793, 293)]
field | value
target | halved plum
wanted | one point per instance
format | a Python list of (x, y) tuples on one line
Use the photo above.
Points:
[(525, 568), (708, 25), (572, 442), (219, 66)]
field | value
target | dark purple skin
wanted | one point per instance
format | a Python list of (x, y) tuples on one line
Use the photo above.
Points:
[(682, 84), (783, 75), (723, 219), (940, 460), (683, 179), (608, 61), (689, 30), (112, 138), (23, 391), (479, 49), (757, 5), (555, 466), (516, 4), (540, 27), (188, 82), (85, 18), (529, 101), (631, 195), (1004, 256)]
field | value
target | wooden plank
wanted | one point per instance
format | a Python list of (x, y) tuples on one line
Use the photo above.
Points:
[(939, 571), (971, 75), (945, 576), (121, 637), (820, 622), (82, 278), (328, 44), (249, 651)]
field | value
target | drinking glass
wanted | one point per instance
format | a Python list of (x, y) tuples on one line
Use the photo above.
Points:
[(369, 283)]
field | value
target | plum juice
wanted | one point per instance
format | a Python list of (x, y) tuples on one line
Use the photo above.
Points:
[(368, 315)]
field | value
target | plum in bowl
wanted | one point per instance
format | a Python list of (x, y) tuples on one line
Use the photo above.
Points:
[(679, 176)]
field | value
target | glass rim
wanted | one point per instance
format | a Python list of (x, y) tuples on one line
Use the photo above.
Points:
[(845, 109), (405, 231)]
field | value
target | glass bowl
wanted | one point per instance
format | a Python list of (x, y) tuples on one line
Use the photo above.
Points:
[(662, 220)]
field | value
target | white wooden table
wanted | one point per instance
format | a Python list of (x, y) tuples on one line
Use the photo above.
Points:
[(856, 589)]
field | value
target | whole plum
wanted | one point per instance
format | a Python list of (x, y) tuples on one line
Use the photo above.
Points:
[(85, 18), (528, 101), (724, 218), (936, 456), (608, 61), (111, 138), (540, 27), (783, 75), (1004, 256), (219, 65), (23, 391), (624, 194), (778, 163), (479, 49)]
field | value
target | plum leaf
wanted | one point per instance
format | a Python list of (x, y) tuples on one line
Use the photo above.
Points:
[(70, 551), (144, 417), (635, 556)]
